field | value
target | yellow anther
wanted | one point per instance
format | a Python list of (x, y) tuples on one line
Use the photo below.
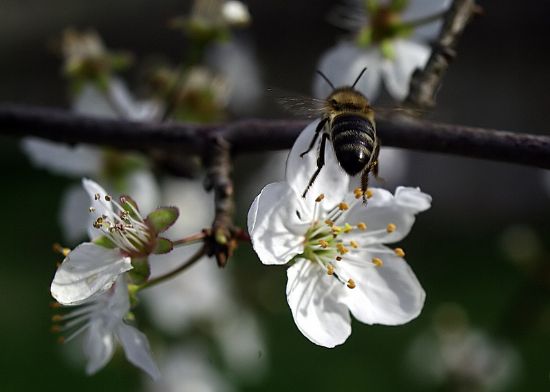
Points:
[(343, 206), (97, 196), (362, 226), (338, 258), (330, 269), (358, 192), (61, 340), (57, 317), (55, 329), (347, 228), (377, 261), (59, 249), (336, 229), (330, 223), (341, 248), (323, 243), (399, 252), (55, 305), (354, 244), (369, 193), (391, 228), (320, 197), (351, 284)]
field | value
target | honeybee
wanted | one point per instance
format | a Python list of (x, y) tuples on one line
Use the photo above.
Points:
[(347, 120)]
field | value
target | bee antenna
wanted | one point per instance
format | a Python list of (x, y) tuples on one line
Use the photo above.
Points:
[(359, 77), (326, 79)]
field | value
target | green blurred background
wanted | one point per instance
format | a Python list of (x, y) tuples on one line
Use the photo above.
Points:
[(483, 246)]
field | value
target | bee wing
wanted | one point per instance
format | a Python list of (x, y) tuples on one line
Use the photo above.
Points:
[(388, 112), (300, 105)]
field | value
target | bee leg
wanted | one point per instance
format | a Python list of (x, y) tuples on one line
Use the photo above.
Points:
[(320, 126), (364, 184), (375, 164), (320, 162)]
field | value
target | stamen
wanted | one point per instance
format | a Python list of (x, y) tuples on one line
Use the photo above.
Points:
[(97, 196), (362, 226), (369, 193), (391, 228), (56, 318), (343, 206), (338, 258), (341, 248), (330, 223), (347, 228), (399, 252), (55, 329), (59, 249), (358, 193), (351, 283), (108, 198), (330, 269), (354, 244), (377, 261), (323, 243), (91, 209), (319, 198), (336, 229)]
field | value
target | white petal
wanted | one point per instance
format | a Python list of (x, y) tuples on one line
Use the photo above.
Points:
[(423, 8), (397, 72), (276, 231), (137, 350), (88, 270), (343, 63), (127, 106), (389, 295), (332, 181), (99, 206), (312, 297), (384, 208), (73, 215), (98, 346), (412, 199), (59, 158), (92, 102)]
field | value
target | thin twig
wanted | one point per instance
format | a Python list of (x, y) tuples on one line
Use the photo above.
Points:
[(268, 135), (426, 82)]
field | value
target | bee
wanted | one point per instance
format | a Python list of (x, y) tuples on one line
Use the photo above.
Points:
[(347, 120)]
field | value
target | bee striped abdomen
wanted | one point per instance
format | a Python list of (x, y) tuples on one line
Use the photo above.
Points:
[(353, 138)]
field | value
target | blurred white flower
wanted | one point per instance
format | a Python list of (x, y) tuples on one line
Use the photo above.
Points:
[(236, 63), (91, 161), (101, 320), (388, 41), (452, 353), (188, 369), (335, 246), (203, 294)]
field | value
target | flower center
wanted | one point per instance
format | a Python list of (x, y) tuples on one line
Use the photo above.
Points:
[(124, 226), (330, 240)]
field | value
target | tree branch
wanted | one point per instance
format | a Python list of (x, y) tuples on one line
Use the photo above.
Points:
[(268, 135), (425, 83)]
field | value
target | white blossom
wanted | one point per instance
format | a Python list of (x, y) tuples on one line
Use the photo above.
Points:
[(390, 58), (91, 269), (101, 321), (335, 247)]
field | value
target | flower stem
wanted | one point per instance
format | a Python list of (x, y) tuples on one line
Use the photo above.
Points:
[(190, 239), (159, 279)]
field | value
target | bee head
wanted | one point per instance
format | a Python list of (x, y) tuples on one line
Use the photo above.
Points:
[(347, 99)]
